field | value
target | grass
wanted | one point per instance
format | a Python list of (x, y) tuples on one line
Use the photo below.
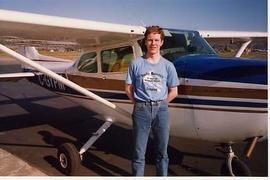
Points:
[(252, 55), (72, 55)]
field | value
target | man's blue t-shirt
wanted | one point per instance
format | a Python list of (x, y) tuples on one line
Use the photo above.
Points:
[(151, 81)]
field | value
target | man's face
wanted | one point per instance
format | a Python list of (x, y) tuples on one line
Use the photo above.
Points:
[(153, 43)]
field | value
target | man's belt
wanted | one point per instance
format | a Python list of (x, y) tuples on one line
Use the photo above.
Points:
[(150, 102)]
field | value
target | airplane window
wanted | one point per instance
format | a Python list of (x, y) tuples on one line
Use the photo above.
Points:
[(88, 63), (117, 59), (182, 43)]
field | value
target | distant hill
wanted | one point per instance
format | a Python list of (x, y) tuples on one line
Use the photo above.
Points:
[(13, 42)]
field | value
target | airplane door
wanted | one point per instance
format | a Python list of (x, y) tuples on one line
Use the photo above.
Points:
[(196, 90), (181, 108)]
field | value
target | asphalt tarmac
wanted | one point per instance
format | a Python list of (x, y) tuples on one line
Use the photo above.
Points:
[(34, 121)]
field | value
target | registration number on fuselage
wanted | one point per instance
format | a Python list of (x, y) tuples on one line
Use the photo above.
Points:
[(50, 83)]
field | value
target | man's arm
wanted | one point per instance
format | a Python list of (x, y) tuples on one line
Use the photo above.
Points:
[(130, 92), (172, 93)]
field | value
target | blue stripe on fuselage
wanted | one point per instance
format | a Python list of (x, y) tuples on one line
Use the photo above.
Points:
[(188, 101), (218, 103)]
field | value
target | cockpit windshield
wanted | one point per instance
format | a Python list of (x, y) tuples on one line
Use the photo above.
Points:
[(178, 43)]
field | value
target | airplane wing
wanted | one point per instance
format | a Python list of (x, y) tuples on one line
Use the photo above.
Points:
[(85, 32), (231, 34)]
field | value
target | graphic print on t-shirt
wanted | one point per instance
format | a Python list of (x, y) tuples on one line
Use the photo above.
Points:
[(152, 81)]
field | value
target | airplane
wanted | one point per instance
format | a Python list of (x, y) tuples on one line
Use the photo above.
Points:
[(221, 100)]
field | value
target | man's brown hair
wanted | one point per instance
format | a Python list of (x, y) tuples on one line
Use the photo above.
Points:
[(155, 30)]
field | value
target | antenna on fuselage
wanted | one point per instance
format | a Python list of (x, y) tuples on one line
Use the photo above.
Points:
[(142, 23)]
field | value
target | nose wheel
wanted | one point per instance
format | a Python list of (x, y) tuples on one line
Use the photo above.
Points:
[(232, 166), (235, 168)]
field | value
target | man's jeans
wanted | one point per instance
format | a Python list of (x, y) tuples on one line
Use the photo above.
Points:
[(148, 116)]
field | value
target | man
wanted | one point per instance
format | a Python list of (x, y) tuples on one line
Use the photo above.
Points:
[(151, 84)]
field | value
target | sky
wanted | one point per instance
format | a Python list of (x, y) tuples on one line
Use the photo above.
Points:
[(241, 15)]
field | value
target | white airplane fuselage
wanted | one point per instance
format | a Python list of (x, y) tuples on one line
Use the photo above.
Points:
[(222, 100), (222, 124)]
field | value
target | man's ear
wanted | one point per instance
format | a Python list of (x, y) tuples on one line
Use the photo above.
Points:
[(162, 42)]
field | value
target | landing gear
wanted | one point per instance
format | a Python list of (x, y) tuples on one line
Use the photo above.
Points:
[(232, 166), (238, 168), (69, 158)]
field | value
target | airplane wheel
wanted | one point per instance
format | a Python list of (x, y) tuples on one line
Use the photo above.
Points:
[(239, 168), (68, 158)]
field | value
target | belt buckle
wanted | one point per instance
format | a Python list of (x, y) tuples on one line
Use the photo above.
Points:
[(153, 103)]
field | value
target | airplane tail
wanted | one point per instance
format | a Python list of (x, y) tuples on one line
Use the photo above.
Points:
[(52, 63), (29, 52), (33, 54)]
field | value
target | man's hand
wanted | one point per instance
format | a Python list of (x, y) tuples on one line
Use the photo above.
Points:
[(172, 93), (130, 92)]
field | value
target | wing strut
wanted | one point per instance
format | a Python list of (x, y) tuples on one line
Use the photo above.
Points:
[(242, 48), (63, 80)]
